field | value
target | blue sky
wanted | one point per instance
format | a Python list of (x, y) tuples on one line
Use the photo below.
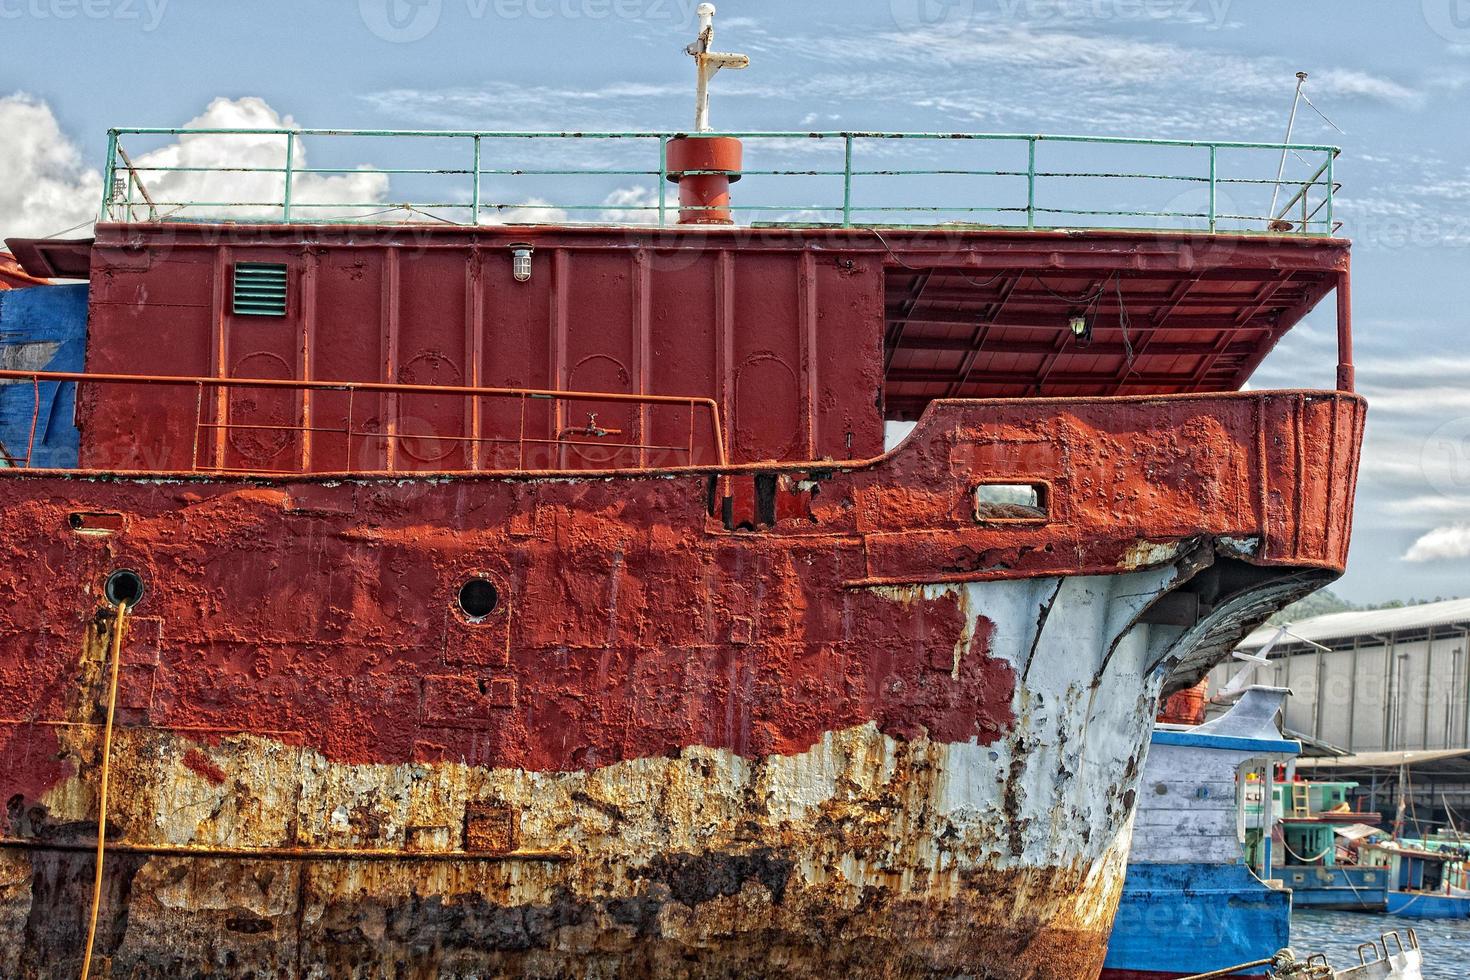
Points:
[(1394, 76)]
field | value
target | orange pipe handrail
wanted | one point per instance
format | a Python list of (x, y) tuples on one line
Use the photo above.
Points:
[(690, 401)]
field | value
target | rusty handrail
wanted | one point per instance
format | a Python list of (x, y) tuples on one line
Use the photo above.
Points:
[(691, 402), (1018, 171)]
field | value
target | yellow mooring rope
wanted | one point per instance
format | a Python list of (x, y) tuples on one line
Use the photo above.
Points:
[(117, 638)]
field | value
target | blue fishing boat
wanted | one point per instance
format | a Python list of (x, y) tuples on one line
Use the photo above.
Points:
[(1419, 880), (1199, 895), (1319, 828)]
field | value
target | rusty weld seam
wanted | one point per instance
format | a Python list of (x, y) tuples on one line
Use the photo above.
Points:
[(1188, 566), (1042, 616)]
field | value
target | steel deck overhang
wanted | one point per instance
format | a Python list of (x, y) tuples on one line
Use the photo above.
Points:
[(951, 335), (52, 258)]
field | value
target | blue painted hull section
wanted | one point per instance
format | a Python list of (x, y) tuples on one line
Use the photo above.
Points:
[(1351, 889), (1180, 919), (42, 328), (1419, 905)]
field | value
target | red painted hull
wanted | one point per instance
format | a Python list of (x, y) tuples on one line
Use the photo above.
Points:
[(350, 591), (752, 700)]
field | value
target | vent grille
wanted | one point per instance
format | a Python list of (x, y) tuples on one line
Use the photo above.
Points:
[(260, 289)]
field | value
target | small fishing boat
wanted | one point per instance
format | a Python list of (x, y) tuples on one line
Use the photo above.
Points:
[(1389, 958), (1210, 883), (1419, 880), (1198, 896), (1401, 961), (1318, 827), (1376, 961)]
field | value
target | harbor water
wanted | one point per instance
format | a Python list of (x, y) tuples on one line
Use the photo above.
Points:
[(1446, 942)]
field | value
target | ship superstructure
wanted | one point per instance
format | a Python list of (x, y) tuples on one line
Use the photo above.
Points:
[(540, 600)]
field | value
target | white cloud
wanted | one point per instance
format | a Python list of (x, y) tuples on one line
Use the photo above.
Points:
[(171, 190), (1108, 61), (1350, 84), (1053, 73), (635, 206), (1448, 542), (514, 106), (1431, 504), (532, 211), (1434, 401), (1397, 365), (48, 189), (45, 189)]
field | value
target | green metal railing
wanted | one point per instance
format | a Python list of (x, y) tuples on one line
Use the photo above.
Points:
[(1030, 193)]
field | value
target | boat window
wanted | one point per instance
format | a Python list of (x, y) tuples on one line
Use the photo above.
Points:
[(1011, 502)]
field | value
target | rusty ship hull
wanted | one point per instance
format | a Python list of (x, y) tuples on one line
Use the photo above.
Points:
[(418, 676), (673, 750)]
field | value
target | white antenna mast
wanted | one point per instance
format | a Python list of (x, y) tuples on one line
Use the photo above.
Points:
[(1296, 100), (708, 63), (1260, 658)]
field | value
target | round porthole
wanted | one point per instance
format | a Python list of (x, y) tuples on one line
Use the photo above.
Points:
[(124, 588), (478, 598)]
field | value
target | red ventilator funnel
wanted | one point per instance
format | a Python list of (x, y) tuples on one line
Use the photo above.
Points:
[(704, 167)]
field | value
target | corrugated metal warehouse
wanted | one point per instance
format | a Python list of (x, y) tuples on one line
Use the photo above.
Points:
[(1381, 680), (1389, 686)]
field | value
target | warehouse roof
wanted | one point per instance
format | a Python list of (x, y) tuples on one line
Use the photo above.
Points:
[(1450, 765), (1369, 622), (1386, 760)]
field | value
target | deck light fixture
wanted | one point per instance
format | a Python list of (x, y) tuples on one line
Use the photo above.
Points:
[(1081, 329), (520, 266)]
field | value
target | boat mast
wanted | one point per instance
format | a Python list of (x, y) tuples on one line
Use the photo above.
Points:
[(707, 63), (1403, 802), (1296, 100)]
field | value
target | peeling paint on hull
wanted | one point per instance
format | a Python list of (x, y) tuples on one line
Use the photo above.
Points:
[(698, 881), (865, 855)]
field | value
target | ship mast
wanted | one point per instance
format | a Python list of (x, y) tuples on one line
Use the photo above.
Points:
[(704, 166), (707, 63)]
